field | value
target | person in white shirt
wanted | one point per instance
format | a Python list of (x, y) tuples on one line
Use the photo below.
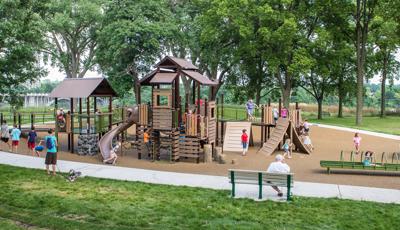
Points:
[(278, 167)]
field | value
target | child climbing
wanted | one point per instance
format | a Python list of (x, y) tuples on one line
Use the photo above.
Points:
[(357, 142), (307, 141), (146, 140), (306, 126), (245, 139), (32, 141), (287, 148), (284, 112), (113, 154)]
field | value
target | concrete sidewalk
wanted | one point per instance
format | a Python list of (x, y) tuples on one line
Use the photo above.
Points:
[(376, 134), (306, 189)]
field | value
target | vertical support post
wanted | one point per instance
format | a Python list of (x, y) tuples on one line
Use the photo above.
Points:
[(1, 118), (19, 121), (80, 114), (187, 103), (260, 185), (280, 107), (194, 93), (233, 183), (222, 106), (55, 116), (88, 113), (72, 125), (14, 118), (94, 104), (297, 105), (110, 114), (289, 181), (32, 120), (198, 98)]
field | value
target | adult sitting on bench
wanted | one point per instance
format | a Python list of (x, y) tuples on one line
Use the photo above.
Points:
[(278, 167)]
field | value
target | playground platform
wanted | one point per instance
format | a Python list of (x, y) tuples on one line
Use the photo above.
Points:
[(306, 189)]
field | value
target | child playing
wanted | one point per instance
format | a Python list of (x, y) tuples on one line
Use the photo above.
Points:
[(146, 140), (284, 112), (32, 141), (275, 114), (306, 126), (15, 136), (307, 141), (368, 159), (245, 139), (357, 142), (287, 149), (51, 155), (113, 154), (5, 134)]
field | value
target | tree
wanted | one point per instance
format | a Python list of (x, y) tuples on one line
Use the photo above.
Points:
[(20, 40), (386, 42), (72, 27), (363, 16), (133, 37)]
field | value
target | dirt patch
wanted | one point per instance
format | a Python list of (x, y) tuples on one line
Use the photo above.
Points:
[(328, 145)]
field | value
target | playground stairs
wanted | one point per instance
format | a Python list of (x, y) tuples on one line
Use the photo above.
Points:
[(276, 137), (190, 147), (298, 142), (233, 133)]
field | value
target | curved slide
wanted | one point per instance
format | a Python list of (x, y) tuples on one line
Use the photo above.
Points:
[(105, 143)]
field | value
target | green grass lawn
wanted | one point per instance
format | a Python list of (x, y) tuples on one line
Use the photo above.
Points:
[(31, 199), (389, 124)]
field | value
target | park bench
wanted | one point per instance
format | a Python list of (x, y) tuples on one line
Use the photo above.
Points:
[(260, 178), (358, 165)]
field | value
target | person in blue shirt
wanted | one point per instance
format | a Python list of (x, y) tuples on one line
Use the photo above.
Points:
[(250, 109), (51, 155), (15, 136)]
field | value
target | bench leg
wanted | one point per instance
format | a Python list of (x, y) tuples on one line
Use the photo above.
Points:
[(329, 170), (233, 190)]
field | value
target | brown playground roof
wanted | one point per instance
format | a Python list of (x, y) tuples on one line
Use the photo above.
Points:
[(166, 78), (173, 62), (83, 88), (199, 77)]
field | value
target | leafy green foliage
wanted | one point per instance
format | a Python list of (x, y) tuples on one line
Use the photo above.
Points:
[(20, 39)]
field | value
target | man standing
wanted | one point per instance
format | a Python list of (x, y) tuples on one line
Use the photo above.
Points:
[(278, 167), (51, 155)]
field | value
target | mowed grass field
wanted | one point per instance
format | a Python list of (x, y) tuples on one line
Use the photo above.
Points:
[(29, 199), (389, 124)]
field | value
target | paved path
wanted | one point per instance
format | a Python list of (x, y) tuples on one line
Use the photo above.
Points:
[(376, 134), (306, 189)]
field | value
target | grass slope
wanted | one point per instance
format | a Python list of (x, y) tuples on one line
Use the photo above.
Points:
[(31, 199), (389, 124)]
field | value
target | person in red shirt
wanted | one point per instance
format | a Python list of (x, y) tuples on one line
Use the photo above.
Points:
[(245, 139)]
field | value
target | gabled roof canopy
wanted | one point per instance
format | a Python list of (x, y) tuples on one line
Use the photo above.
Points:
[(173, 62), (83, 88)]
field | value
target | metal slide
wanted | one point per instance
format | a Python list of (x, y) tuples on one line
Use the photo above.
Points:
[(105, 143)]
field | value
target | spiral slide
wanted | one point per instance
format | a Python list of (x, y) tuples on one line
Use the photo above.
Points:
[(105, 143)]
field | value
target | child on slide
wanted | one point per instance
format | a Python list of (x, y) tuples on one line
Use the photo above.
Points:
[(357, 142), (286, 148), (113, 154)]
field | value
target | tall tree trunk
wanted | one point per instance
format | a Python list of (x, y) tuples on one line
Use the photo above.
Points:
[(360, 64), (341, 97), (319, 101), (383, 86), (286, 96), (258, 95)]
